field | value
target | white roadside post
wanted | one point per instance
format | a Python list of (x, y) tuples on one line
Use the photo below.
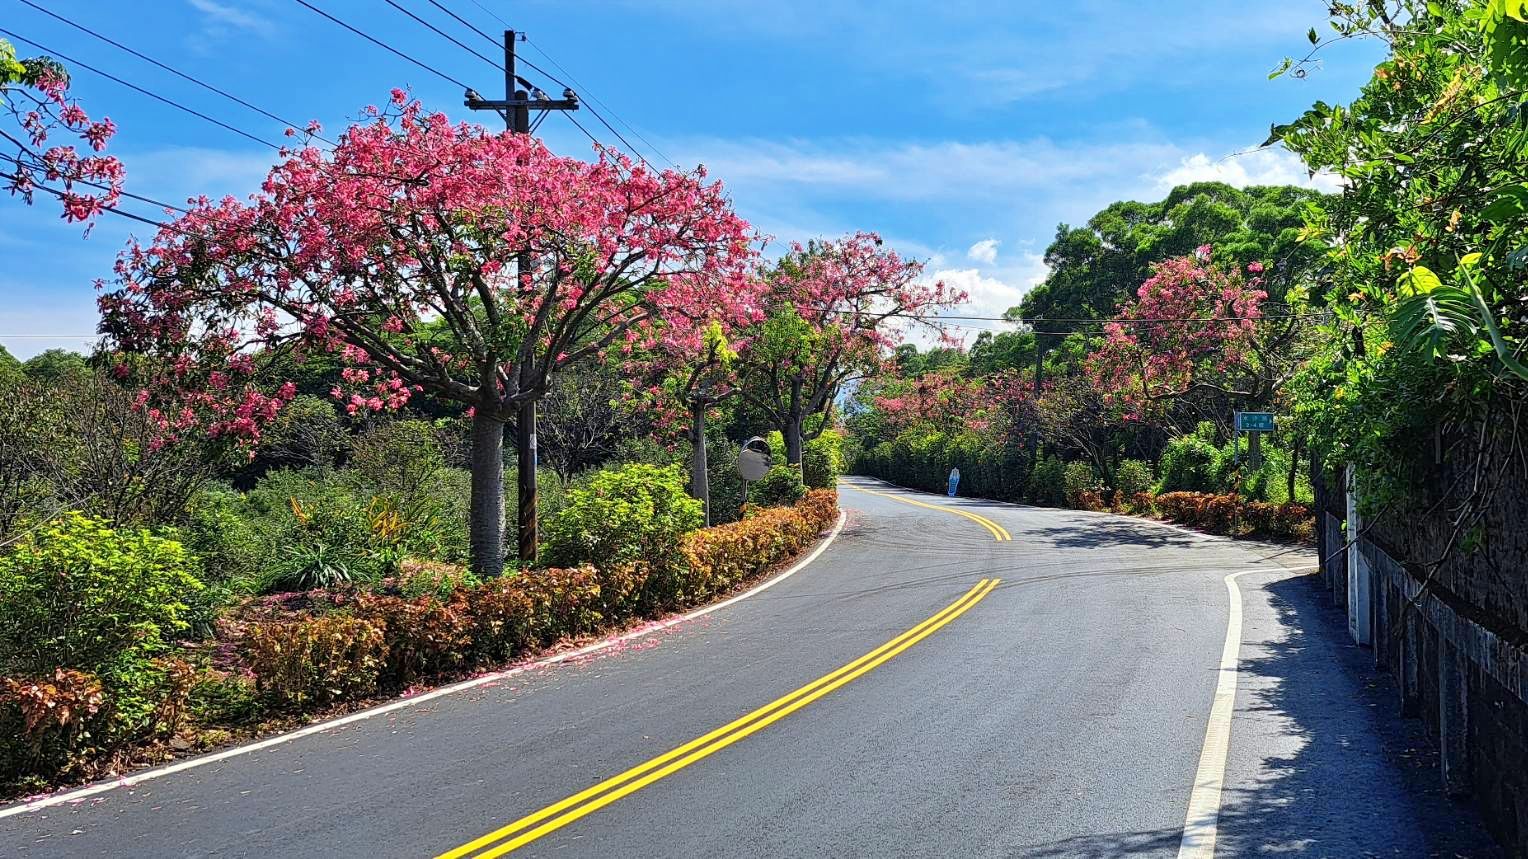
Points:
[(1358, 571)]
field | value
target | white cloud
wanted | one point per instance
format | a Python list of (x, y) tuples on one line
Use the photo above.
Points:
[(984, 251), (944, 170), (174, 173), (218, 19), (1256, 167), (989, 292)]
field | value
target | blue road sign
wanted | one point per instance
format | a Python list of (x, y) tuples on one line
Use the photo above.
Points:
[(1254, 421), (954, 480)]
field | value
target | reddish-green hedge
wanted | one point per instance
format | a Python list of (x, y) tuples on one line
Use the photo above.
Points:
[(1231, 516), (378, 641)]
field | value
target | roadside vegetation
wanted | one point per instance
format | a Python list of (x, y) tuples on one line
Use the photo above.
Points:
[(282, 484), (1384, 324)]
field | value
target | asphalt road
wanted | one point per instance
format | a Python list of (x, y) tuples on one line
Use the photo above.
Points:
[(923, 688)]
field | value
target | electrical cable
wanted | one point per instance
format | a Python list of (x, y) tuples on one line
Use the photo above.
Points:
[(381, 44), (174, 71), (441, 33), (139, 89)]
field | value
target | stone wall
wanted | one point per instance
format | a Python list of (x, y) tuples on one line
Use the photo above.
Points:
[(1453, 634)]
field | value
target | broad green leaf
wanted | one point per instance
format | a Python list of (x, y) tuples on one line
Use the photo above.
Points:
[(1511, 202), (1420, 280), (1429, 323)]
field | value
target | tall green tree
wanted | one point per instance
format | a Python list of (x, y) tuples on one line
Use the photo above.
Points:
[(1095, 267)]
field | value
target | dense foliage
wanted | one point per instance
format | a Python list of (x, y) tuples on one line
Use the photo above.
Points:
[(1426, 250)]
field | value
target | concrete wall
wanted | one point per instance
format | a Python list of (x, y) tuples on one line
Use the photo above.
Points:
[(1457, 646)]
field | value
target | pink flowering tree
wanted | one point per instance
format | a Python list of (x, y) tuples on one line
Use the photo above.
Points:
[(1189, 336), (434, 260), (835, 309), (35, 109), (942, 400), (687, 371)]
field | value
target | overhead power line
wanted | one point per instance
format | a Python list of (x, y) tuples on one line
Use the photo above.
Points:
[(100, 186), (597, 100), (132, 86), (465, 23), (174, 71), (121, 213), (574, 85), (490, 12), (443, 34), (381, 44)]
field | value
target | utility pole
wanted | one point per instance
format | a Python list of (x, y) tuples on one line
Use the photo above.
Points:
[(520, 97)]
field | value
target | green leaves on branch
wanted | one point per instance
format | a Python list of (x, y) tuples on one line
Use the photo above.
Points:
[(1434, 318)]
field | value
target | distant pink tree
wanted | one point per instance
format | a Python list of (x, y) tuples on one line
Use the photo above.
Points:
[(1191, 327), (942, 400), (400, 252), (35, 101), (835, 309)]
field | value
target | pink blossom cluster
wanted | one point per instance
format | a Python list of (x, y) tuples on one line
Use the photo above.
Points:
[(1191, 323), (400, 251), (84, 185)]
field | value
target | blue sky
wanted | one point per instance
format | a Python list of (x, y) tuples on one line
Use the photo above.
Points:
[(961, 131)]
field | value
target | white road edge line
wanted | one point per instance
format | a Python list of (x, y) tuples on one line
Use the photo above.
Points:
[(1203, 817), (361, 715)]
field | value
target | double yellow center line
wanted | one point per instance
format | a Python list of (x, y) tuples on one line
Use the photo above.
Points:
[(560, 814), (997, 531)]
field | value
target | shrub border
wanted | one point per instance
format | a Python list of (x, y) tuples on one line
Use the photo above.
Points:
[(132, 779), (1173, 526)]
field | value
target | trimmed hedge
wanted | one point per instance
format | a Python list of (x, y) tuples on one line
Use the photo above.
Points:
[(296, 652)]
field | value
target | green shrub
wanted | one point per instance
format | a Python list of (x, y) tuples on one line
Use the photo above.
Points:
[(316, 531), (219, 535), (306, 566), (1081, 486), (631, 513), (307, 432), (726, 485), (822, 460), (1047, 482), (419, 578), (400, 459), (224, 699), (782, 486), (77, 594), (1132, 477), (1188, 462)]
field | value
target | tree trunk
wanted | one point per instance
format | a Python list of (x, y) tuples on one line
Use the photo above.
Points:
[(793, 443), (486, 529), (1294, 468), (700, 486)]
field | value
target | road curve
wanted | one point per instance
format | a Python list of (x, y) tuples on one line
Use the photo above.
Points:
[(925, 687)]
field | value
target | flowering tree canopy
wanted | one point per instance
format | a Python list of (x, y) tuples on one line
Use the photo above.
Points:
[(942, 400), (832, 312), (34, 95), (433, 259), (1192, 326)]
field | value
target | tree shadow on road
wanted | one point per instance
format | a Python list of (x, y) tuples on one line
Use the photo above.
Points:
[(1098, 534), (1345, 775)]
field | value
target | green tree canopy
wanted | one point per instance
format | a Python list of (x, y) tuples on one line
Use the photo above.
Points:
[(1094, 267)]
